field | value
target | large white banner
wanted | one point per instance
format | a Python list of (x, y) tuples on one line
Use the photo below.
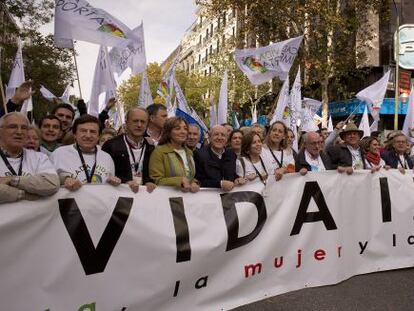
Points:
[(263, 64), (106, 249)]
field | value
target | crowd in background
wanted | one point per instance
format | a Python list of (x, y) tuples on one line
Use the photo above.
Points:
[(69, 148)]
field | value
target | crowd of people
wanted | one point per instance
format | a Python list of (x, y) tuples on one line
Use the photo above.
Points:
[(70, 149)]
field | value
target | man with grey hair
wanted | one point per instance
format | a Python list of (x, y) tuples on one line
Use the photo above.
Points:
[(311, 158), (131, 151), (24, 174), (215, 164)]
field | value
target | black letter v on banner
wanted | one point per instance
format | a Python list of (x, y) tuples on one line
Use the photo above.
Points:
[(93, 259)]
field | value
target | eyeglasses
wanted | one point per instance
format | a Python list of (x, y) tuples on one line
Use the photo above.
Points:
[(15, 127)]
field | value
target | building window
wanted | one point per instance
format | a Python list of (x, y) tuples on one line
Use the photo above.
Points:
[(211, 49), (218, 46), (211, 30), (224, 19), (199, 59), (201, 37), (206, 54), (207, 33), (234, 31), (209, 71)]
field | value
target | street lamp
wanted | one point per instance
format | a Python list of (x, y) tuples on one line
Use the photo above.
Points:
[(397, 68)]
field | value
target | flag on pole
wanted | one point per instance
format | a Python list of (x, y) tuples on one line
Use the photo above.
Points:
[(213, 115), (199, 120), (78, 20), (145, 97), (374, 95), (179, 96), (254, 114), (295, 105), (282, 112), (103, 82), (223, 100), (17, 77), (130, 54), (364, 125), (309, 110), (235, 123), (408, 126), (167, 83), (190, 120), (262, 64), (50, 96), (330, 124)]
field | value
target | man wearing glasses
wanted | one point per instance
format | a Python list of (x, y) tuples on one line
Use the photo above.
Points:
[(24, 174), (311, 158)]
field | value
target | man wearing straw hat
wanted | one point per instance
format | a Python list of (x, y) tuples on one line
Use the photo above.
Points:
[(348, 156)]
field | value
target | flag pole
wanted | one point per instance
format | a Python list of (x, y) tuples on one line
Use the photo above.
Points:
[(1, 85), (77, 71)]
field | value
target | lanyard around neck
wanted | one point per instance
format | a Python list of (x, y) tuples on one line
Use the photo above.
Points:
[(262, 178), (136, 164), (85, 168), (9, 167), (280, 163)]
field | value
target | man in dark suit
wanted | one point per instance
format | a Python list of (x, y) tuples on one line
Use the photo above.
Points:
[(312, 158), (348, 156), (216, 165), (398, 157), (131, 151)]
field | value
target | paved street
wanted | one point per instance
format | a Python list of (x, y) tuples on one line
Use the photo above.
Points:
[(390, 291)]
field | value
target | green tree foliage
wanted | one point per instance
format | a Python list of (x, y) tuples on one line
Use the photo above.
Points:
[(43, 62), (193, 86), (337, 34)]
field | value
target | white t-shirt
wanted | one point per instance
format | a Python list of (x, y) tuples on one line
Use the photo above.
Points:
[(250, 168), (67, 162), (272, 164), (33, 163)]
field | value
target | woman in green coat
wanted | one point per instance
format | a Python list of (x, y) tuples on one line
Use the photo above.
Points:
[(171, 163)]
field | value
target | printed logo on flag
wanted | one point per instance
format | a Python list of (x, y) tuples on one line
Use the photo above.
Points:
[(112, 29), (254, 64)]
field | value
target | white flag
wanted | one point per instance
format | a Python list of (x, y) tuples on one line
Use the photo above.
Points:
[(167, 83), (17, 77), (295, 105), (145, 97), (309, 110), (199, 120), (180, 98), (66, 94), (262, 64), (254, 114), (223, 100), (330, 125), (408, 127), (374, 95), (213, 115), (46, 93), (282, 112), (130, 54), (364, 125), (78, 20), (103, 82)]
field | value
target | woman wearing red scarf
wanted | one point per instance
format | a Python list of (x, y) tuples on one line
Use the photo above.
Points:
[(371, 147)]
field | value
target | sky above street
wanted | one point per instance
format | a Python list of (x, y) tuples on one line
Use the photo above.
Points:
[(165, 23)]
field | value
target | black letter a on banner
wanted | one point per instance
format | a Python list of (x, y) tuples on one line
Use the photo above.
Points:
[(93, 259), (229, 200), (312, 190)]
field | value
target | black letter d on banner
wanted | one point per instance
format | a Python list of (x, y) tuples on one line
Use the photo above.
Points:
[(229, 201)]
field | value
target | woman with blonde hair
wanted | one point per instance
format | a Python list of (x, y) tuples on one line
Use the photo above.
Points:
[(171, 163)]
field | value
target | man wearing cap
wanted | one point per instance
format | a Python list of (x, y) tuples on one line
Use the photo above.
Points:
[(312, 158), (348, 156)]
